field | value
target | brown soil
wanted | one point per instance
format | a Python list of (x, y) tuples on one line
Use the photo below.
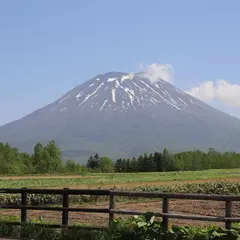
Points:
[(187, 207), (43, 177)]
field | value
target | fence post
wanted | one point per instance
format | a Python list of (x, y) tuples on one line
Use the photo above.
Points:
[(165, 210), (65, 204), (228, 214), (112, 202), (24, 203)]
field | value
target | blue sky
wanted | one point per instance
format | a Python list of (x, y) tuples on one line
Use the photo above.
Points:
[(48, 47)]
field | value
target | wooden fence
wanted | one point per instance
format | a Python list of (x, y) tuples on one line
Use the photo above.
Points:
[(111, 210)]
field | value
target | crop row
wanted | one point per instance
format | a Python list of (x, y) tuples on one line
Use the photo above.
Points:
[(220, 187)]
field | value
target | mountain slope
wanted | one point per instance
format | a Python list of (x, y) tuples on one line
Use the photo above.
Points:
[(120, 114)]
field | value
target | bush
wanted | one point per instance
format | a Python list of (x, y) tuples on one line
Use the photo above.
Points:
[(143, 227)]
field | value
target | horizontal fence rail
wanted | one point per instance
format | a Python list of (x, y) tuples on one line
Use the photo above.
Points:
[(111, 210)]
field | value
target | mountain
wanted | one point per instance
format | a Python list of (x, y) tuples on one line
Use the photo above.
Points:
[(122, 115)]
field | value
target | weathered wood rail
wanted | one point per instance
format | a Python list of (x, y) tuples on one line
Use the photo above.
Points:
[(111, 210)]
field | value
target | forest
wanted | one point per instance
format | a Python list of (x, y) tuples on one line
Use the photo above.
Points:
[(48, 159), (45, 159), (182, 161)]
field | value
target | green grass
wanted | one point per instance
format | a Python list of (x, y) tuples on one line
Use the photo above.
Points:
[(120, 178)]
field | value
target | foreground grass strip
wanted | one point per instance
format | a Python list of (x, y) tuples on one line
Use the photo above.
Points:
[(143, 227)]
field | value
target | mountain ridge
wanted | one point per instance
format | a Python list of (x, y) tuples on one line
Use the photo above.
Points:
[(122, 115)]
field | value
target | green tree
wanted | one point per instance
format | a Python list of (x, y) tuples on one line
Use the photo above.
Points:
[(55, 163), (73, 167), (119, 165), (37, 156), (106, 165), (94, 162), (134, 165)]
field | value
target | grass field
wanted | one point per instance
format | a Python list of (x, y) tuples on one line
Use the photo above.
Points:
[(118, 179)]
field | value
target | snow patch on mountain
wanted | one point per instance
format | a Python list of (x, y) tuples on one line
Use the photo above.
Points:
[(125, 92)]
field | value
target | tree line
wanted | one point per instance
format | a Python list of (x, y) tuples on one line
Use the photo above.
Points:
[(182, 161), (48, 159), (45, 159), (166, 162)]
